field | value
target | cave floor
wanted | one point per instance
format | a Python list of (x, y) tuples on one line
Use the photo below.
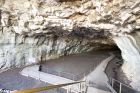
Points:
[(76, 64)]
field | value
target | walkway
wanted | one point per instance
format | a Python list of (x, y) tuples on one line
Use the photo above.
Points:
[(45, 77), (98, 75), (95, 90), (49, 78), (52, 79), (13, 80)]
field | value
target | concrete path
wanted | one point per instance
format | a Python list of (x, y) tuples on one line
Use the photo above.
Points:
[(49, 78), (52, 79), (98, 76), (95, 90)]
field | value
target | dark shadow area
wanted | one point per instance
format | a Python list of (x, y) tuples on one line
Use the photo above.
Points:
[(114, 72), (82, 32)]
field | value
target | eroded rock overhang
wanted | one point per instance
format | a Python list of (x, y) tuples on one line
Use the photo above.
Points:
[(34, 30), (38, 16)]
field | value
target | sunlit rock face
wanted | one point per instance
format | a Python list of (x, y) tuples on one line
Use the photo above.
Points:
[(35, 30), (38, 30), (130, 47), (36, 16)]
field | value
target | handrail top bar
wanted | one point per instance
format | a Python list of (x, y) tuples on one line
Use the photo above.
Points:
[(38, 89), (123, 84)]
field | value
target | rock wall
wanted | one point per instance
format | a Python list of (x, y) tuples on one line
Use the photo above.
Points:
[(34, 30), (38, 16), (20, 50), (130, 47)]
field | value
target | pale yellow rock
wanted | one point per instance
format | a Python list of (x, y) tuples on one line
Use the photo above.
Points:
[(138, 21), (1, 3), (88, 5), (115, 2), (92, 16)]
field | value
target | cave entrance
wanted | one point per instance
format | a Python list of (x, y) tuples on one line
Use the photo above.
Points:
[(73, 67)]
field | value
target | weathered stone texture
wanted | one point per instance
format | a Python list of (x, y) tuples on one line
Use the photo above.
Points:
[(115, 16), (35, 30)]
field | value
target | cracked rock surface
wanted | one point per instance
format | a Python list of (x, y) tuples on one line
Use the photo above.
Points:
[(35, 30)]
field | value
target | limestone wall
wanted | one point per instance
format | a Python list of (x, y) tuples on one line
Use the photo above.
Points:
[(130, 50), (36, 16), (34, 30), (39, 30), (20, 50)]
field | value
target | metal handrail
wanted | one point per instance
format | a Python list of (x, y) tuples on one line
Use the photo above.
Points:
[(121, 83), (110, 87), (81, 87), (112, 80), (39, 89)]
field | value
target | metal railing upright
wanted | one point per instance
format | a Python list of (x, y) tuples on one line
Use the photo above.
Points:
[(70, 88), (120, 87)]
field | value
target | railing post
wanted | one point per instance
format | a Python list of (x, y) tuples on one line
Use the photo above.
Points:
[(68, 89), (81, 87), (112, 82), (120, 88), (78, 88), (85, 84)]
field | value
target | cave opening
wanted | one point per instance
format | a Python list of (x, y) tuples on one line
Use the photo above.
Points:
[(56, 40), (84, 52), (72, 65)]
